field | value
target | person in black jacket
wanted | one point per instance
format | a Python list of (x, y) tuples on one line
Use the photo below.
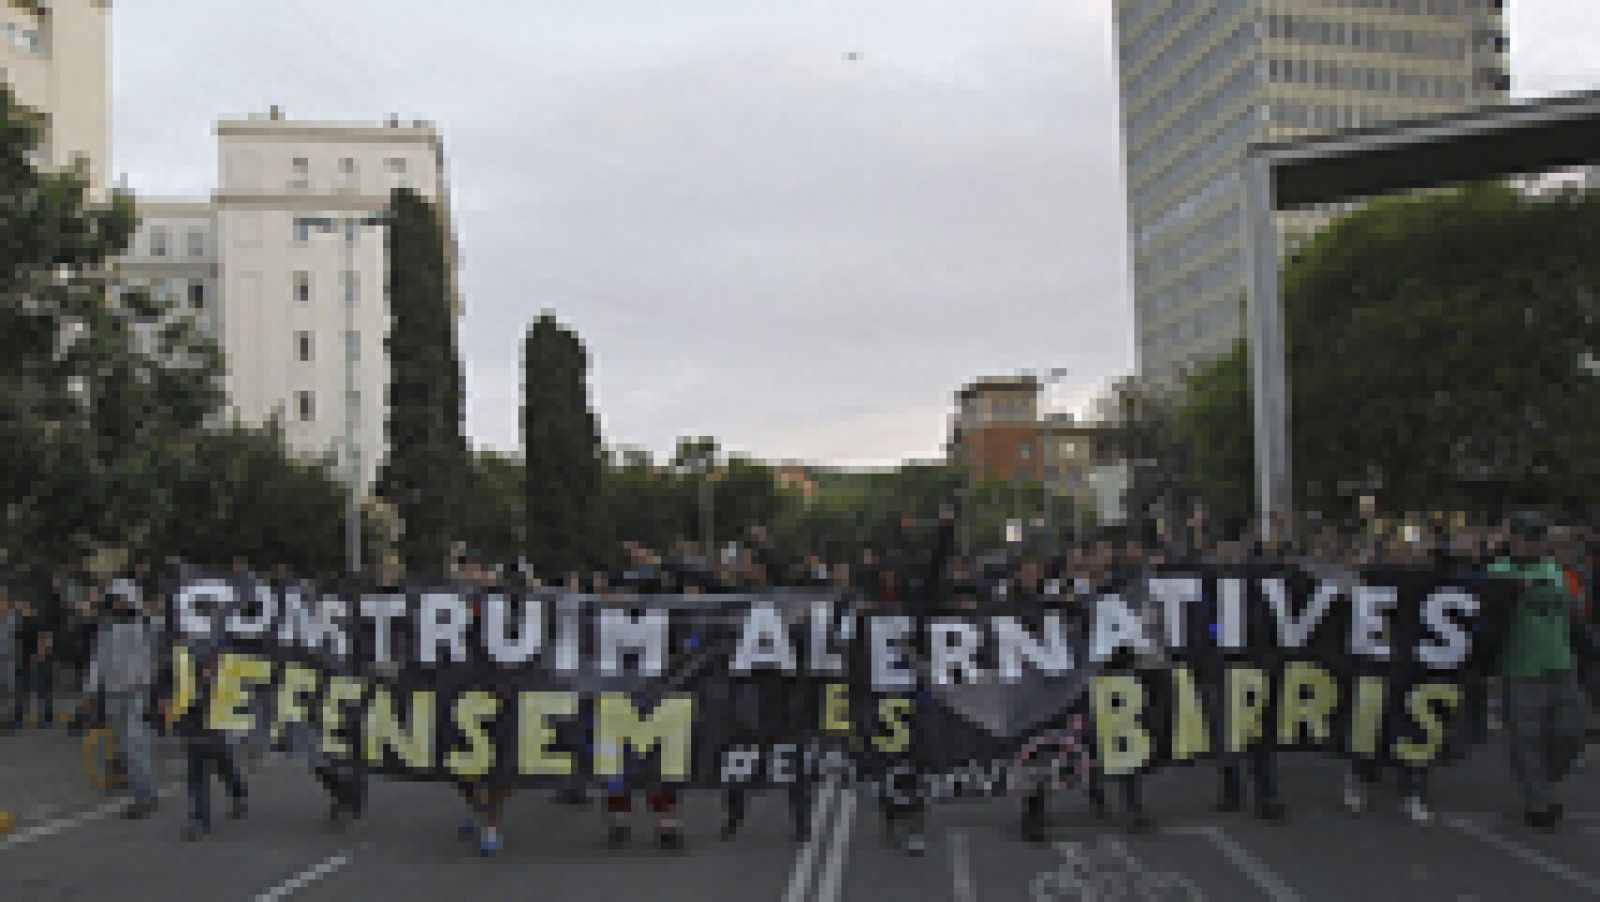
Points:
[(918, 587), (775, 709), (205, 751)]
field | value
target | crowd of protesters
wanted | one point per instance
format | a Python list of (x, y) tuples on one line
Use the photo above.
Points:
[(95, 642)]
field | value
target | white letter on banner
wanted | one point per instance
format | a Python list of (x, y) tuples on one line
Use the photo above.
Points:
[(953, 643), (211, 591), (312, 624), (1230, 613), (890, 672), (382, 610), (1450, 643), (530, 635), (646, 633), (444, 620), (1294, 632), (823, 661), (1173, 592), (261, 624), (1115, 626), (1051, 654), (1367, 624), (764, 641)]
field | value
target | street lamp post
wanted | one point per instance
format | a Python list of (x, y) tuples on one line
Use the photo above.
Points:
[(351, 226)]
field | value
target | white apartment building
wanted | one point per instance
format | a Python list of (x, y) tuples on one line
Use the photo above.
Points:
[(1201, 81), (297, 304), (174, 255), (54, 54)]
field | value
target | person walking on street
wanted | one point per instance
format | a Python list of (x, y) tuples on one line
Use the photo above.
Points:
[(123, 666), (1543, 704), (10, 661), (205, 751)]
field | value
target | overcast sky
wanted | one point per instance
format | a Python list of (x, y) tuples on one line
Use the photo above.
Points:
[(757, 236)]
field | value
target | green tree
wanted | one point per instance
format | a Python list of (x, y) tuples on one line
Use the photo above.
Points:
[(1441, 356), (561, 451), (100, 379), (426, 466), (493, 516)]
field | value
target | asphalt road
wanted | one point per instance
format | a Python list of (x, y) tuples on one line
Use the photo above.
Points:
[(69, 843)]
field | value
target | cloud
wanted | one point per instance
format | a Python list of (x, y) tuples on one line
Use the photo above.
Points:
[(757, 236)]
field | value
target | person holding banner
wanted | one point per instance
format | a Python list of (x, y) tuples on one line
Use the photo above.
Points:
[(767, 705), (204, 749), (1544, 706)]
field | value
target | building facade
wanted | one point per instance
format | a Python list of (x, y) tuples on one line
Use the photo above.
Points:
[(1201, 81), (998, 435), (174, 257), (54, 55), (302, 295)]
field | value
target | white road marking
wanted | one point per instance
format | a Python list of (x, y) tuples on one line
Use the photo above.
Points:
[(1526, 855), (305, 878), (1252, 867), (838, 850), (800, 878), (72, 822), (961, 868)]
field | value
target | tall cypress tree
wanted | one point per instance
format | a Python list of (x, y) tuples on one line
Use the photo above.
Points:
[(561, 447), (427, 454)]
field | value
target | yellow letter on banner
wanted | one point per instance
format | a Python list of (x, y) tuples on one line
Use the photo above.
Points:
[(413, 744), (1366, 716), (341, 690), (182, 684), (534, 733), (295, 684), (1189, 734), (836, 708), (1420, 702), (1307, 701), (1124, 745), (667, 728), (473, 710), (894, 712), (1247, 699), (230, 711)]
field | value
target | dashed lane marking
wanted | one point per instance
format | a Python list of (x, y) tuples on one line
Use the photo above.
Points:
[(306, 877)]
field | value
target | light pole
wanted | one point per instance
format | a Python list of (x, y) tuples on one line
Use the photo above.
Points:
[(351, 226)]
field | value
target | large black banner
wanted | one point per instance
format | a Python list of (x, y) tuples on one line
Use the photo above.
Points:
[(539, 688)]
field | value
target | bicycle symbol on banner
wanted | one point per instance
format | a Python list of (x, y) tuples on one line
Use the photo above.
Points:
[(1055, 759)]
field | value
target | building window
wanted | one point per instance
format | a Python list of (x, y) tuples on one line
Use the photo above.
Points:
[(197, 295), (397, 172), (347, 173), (300, 177), (197, 243), (302, 231), (302, 342), (158, 242), (302, 287), (1024, 451), (307, 405)]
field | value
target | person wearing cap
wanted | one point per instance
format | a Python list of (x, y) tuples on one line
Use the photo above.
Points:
[(1537, 664)]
